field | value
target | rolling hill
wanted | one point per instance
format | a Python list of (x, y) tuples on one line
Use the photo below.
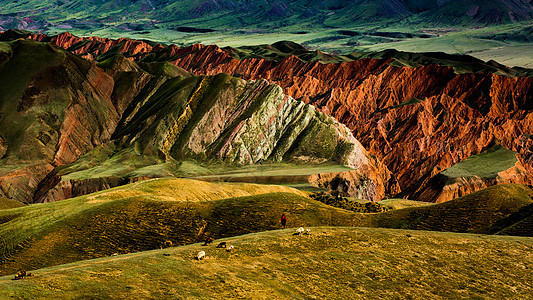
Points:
[(355, 263), (143, 215), (500, 206)]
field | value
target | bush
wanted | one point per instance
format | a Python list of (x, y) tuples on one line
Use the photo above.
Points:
[(336, 199)]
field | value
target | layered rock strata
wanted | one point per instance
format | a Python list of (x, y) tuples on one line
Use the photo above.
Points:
[(418, 120), (65, 107)]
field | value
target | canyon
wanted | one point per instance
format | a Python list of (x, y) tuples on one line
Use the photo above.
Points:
[(72, 127), (418, 118)]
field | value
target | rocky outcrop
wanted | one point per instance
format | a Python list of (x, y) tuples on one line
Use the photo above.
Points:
[(79, 187), (418, 121), (92, 47), (67, 106), (368, 183), (20, 182), (245, 122)]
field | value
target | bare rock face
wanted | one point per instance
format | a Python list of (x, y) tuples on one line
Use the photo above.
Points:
[(74, 188), (20, 182), (62, 109), (55, 107), (245, 122), (419, 121), (94, 46)]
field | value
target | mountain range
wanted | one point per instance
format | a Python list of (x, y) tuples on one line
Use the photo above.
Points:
[(246, 12), (495, 30), (442, 126), (72, 127)]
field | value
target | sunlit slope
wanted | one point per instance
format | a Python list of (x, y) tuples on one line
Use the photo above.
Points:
[(142, 216), (331, 263), (476, 212)]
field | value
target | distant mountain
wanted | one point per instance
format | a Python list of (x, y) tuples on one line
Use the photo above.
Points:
[(236, 14)]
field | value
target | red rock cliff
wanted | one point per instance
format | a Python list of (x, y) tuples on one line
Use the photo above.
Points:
[(418, 121)]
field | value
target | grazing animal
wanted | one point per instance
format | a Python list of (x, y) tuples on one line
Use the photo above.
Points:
[(114, 254), (21, 274), (222, 245), (230, 248), (208, 241), (201, 255), (299, 231), (308, 231)]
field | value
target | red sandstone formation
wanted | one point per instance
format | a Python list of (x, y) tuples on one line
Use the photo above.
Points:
[(58, 111), (418, 121)]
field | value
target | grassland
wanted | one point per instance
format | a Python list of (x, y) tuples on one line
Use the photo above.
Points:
[(470, 213), (485, 165), (143, 215), (331, 263), (134, 217)]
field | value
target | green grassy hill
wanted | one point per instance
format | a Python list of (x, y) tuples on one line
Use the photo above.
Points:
[(475, 212), (331, 263), (143, 215), (485, 165)]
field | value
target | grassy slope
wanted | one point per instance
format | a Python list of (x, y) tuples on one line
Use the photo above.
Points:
[(332, 263), (471, 213), (141, 216), (6, 203), (28, 59), (485, 165), (402, 203)]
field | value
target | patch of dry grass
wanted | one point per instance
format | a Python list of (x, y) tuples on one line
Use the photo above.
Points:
[(331, 263), (6, 203), (402, 203), (175, 189), (135, 217)]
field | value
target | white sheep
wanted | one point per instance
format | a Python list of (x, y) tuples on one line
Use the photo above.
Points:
[(201, 255), (308, 231), (230, 248), (300, 230)]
